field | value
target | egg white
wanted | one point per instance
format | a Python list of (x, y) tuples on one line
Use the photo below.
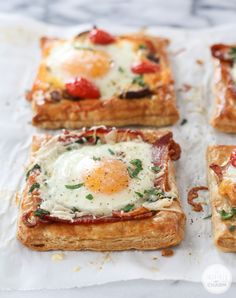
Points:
[(118, 79), (230, 173), (68, 167)]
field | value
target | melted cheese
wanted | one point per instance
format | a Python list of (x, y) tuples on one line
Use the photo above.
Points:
[(109, 67), (230, 173)]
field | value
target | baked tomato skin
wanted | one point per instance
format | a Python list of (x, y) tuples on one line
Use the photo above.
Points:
[(233, 157), (98, 36), (82, 88), (145, 67)]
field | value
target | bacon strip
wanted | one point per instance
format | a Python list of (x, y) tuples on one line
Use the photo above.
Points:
[(90, 219), (221, 52), (162, 150), (193, 194)]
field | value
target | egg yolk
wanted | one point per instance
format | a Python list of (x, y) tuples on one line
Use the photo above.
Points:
[(88, 63), (111, 176)]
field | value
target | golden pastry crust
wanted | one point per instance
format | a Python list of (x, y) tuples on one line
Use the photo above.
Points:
[(164, 229), (158, 109), (224, 111), (224, 238)]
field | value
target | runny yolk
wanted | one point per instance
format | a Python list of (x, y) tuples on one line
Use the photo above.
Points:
[(111, 176), (86, 63)]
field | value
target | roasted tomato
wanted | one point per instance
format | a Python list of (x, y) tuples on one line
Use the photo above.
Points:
[(99, 36), (82, 88), (145, 67)]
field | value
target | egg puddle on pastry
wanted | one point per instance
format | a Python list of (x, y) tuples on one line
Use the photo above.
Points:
[(93, 179)]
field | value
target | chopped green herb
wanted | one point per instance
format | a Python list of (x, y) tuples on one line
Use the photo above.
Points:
[(134, 171), (74, 186), (142, 47), (96, 158), (69, 148), (89, 197), (121, 69), (35, 167), (41, 212), (139, 194), (74, 209), (184, 121), (153, 194), (227, 215), (156, 169), (82, 48), (208, 216), (81, 141), (232, 54), (128, 208), (139, 80), (232, 228), (34, 186), (111, 151)]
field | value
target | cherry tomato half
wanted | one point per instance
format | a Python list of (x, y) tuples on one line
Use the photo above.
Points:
[(99, 36), (82, 88), (145, 67)]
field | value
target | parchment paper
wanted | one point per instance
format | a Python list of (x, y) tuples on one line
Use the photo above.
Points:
[(21, 268)]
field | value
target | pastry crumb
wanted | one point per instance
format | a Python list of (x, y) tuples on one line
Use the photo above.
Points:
[(57, 257), (200, 62), (77, 269), (185, 88), (167, 252)]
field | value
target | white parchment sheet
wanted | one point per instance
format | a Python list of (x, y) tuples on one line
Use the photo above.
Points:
[(21, 268)]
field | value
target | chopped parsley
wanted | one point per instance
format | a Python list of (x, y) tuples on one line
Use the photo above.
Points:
[(153, 194), (74, 209), (227, 215), (41, 212), (96, 158), (139, 194), (184, 121), (136, 169), (139, 80), (156, 169), (82, 48), (208, 216), (34, 186), (35, 167), (74, 186), (121, 69), (128, 208), (111, 151), (89, 197), (232, 54), (232, 228), (142, 47)]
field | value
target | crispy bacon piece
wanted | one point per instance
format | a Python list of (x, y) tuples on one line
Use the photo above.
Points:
[(221, 52), (163, 149), (218, 170), (193, 194), (90, 219)]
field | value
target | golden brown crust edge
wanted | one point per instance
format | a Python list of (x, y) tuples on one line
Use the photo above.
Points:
[(165, 229), (223, 238), (224, 113)]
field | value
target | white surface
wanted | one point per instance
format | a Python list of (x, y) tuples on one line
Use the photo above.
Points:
[(36, 270)]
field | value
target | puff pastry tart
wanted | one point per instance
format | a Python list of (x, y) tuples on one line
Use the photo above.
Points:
[(222, 186), (101, 189), (224, 117), (99, 79)]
